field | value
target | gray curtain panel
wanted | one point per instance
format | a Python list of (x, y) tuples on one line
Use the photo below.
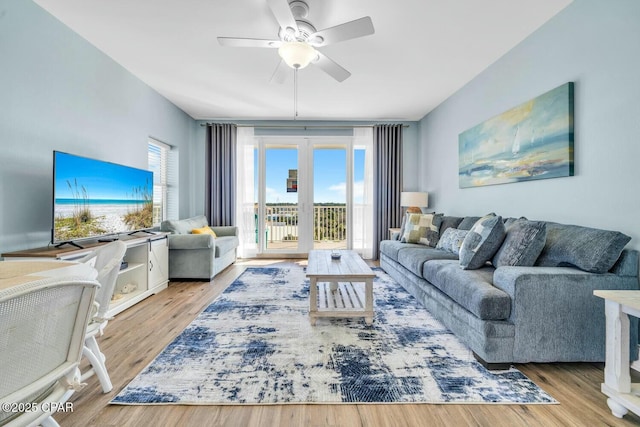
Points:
[(220, 188), (387, 179)]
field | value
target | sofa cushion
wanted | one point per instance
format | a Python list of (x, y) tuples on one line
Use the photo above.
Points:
[(509, 221), (190, 241), (225, 244), (451, 240), (522, 245), (391, 248), (449, 222), (422, 228), (413, 258), (472, 289), (184, 226), (468, 222), (225, 230), (482, 242), (589, 249)]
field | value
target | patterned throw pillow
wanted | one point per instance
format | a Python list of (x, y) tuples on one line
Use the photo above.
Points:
[(482, 242), (422, 229), (522, 245), (451, 240)]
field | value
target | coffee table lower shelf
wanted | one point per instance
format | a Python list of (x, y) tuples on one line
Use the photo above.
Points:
[(341, 299)]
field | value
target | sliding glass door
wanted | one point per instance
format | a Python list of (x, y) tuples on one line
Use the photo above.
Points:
[(280, 198), (330, 222), (308, 194)]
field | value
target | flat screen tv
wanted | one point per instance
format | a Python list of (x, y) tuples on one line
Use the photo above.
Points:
[(93, 199)]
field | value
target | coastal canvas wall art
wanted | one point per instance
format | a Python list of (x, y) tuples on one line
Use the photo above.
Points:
[(531, 141)]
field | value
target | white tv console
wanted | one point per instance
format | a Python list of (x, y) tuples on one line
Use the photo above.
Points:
[(147, 257)]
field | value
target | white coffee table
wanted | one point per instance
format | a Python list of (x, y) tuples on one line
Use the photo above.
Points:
[(336, 289)]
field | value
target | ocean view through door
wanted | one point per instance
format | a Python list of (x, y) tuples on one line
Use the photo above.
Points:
[(304, 194)]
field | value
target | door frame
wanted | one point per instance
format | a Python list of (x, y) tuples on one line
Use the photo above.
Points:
[(305, 146)]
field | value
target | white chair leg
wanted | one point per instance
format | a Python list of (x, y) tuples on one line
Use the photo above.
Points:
[(92, 352)]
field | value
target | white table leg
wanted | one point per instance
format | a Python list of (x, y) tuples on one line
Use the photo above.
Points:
[(333, 286), (368, 292), (616, 409), (616, 370), (313, 300)]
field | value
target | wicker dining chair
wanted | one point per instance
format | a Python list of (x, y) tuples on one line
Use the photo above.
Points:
[(42, 325), (106, 260)]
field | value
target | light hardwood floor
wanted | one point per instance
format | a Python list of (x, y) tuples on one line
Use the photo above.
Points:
[(138, 334)]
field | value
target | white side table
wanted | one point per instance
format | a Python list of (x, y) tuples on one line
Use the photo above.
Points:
[(623, 395), (392, 231)]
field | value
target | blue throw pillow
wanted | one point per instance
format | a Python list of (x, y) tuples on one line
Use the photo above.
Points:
[(589, 249), (522, 245), (482, 242), (451, 240)]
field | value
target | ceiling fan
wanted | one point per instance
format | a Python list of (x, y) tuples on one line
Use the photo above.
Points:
[(298, 39)]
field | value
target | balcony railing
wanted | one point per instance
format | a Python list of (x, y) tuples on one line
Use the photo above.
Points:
[(329, 223)]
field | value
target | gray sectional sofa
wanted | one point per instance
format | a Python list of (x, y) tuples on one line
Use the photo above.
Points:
[(199, 256), (542, 312)]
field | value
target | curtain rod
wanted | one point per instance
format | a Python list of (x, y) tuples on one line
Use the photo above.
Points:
[(300, 126)]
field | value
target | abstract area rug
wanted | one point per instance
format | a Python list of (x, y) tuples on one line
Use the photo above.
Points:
[(254, 345)]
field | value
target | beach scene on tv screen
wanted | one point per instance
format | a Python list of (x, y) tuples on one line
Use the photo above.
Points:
[(95, 198)]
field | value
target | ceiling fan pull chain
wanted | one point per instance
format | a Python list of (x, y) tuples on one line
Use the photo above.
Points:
[(295, 93)]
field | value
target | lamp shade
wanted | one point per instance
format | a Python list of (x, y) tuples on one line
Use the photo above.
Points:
[(297, 54), (414, 199)]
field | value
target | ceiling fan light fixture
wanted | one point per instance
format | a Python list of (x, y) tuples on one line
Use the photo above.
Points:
[(316, 40), (297, 54)]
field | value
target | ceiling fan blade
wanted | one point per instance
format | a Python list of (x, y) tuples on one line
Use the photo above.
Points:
[(280, 74), (349, 30), (331, 67), (282, 12), (236, 42)]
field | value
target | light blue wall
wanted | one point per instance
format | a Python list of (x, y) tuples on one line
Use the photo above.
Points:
[(58, 92), (595, 44), (409, 145)]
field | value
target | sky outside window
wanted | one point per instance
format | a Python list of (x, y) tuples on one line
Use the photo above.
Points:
[(329, 175)]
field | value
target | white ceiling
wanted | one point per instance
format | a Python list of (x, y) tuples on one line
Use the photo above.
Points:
[(422, 52)]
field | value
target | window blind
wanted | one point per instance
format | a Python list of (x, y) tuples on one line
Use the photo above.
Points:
[(164, 165)]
